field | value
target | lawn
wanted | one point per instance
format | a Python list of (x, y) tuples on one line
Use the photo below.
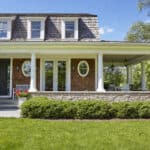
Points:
[(27, 134)]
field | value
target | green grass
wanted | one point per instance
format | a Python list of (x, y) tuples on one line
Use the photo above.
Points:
[(73, 46), (27, 134)]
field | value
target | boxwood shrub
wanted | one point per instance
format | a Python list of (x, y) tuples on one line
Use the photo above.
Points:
[(41, 107)]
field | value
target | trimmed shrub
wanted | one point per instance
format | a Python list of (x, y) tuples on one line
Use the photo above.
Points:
[(44, 108), (41, 107), (94, 110), (144, 110), (128, 110)]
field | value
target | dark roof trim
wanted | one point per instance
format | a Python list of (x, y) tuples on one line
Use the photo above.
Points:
[(49, 14)]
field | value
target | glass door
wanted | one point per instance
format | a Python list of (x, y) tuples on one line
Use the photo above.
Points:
[(55, 75), (48, 75), (4, 77), (61, 75)]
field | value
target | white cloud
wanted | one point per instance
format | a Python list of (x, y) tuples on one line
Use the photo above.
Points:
[(101, 31), (104, 30), (109, 30)]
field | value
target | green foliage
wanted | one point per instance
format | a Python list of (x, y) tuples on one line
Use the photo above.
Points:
[(142, 4), (144, 110), (84, 109), (139, 32), (126, 109), (113, 76), (94, 110), (136, 70)]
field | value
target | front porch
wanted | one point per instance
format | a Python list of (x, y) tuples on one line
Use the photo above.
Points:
[(56, 70)]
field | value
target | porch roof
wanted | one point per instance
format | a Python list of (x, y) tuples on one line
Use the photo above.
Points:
[(74, 46)]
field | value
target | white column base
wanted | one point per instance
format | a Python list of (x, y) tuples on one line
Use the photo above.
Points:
[(100, 90), (32, 90)]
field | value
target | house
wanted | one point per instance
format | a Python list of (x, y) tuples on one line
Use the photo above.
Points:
[(59, 52)]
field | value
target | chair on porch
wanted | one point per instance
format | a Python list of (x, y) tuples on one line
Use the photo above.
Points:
[(20, 87)]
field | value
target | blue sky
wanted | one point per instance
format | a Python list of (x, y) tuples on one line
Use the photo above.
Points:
[(115, 16)]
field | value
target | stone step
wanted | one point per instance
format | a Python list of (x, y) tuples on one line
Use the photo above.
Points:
[(8, 104), (8, 107)]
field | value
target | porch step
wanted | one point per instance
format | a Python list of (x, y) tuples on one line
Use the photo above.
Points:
[(8, 104)]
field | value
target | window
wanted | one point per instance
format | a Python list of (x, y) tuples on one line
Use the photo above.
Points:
[(69, 29), (3, 29), (26, 68), (35, 29), (83, 68)]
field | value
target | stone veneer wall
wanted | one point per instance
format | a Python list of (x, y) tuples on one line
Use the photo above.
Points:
[(108, 96), (19, 78), (79, 83)]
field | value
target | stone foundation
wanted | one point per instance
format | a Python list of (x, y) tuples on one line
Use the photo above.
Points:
[(108, 96)]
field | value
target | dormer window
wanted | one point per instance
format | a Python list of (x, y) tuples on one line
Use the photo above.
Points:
[(36, 28), (5, 28), (70, 29)]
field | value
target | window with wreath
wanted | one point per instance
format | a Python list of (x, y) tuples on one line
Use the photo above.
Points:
[(83, 68), (26, 68)]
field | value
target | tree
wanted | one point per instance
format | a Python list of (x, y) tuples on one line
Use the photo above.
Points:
[(139, 32), (144, 4)]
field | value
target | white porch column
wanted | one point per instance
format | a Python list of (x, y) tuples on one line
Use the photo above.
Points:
[(68, 77), (129, 77), (33, 74), (100, 82), (143, 78)]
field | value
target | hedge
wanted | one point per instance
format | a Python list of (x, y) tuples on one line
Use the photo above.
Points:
[(42, 107)]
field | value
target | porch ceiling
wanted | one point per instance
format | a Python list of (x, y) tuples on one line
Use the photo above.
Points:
[(74, 46), (128, 58)]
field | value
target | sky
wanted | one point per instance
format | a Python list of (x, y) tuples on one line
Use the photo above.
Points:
[(115, 16)]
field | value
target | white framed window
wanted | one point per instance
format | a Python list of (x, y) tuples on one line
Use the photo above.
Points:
[(26, 68), (83, 68), (5, 28), (36, 29), (69, 28)]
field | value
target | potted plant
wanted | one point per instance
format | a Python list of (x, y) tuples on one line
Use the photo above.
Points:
[(22, 96)]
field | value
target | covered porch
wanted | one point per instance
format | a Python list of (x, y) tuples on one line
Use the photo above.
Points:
[(67, 56)]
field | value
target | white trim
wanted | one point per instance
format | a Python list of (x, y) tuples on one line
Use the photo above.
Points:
[(22, 68), (41, 74), (78, 68), (68, 75), (33, 74), (95, 73), (76, 30), (55, 73), (42, 32), (9, 27), (100, 81), (11, 74), (11, 81)]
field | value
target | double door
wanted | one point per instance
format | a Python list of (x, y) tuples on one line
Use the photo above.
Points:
[(55, 74)]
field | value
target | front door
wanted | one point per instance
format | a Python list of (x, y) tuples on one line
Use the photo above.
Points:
[(4, 77), (55, 75)]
